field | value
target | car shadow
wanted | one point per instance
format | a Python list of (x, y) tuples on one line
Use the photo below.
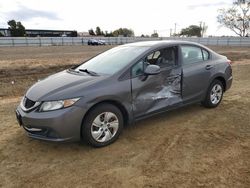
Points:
[(168, 115)]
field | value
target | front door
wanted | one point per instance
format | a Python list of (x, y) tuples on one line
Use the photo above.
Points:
[(152, 93)]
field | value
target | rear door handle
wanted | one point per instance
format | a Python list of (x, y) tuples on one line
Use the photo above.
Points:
[(208, 67)]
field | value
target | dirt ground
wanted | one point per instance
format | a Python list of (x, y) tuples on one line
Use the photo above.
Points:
[(188, 147)]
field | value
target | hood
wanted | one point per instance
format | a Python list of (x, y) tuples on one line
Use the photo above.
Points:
[(62, 85)]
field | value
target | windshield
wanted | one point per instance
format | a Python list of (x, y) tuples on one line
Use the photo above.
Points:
[(112, 60)]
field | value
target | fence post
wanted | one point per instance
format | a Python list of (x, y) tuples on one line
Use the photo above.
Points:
[(40, 41), (13, 43), (27, 42)]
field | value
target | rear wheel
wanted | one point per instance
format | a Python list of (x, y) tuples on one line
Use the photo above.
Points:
[(214, 94), (103, 125)]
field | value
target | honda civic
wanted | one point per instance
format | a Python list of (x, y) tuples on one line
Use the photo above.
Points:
[(95, 99)]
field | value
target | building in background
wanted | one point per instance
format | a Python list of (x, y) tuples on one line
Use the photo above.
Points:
[(42, 33), (5, 32), (84, 34)]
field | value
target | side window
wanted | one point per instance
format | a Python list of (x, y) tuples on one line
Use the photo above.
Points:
[(152, 58), (156, 54), (205, 55), (165, 57), (149, 57), (168, 57), (191, 54), (138, 69)]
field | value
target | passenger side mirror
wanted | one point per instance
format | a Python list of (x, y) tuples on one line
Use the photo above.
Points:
[(152, 70)]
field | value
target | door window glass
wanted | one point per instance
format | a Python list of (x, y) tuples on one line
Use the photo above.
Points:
[(165, 57), (157, 54), (205, 55), (191, 54), (137, 69), (150, 56)]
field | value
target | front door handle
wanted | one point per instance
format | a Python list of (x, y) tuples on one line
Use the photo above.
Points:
[(208, 67)]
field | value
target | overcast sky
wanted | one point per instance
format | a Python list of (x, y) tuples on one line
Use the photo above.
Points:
[(143, 16)]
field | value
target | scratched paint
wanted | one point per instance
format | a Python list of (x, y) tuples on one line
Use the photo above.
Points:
[(163, 92)]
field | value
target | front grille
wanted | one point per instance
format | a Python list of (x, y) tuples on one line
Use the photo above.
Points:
[(28, 103)]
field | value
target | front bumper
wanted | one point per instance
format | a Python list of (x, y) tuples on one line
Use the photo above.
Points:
[(58, 125)]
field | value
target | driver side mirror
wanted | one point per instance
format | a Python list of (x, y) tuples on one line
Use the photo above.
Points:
[(152, 70)]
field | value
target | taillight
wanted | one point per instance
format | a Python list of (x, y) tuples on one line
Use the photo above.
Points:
[(229, 62), (230, 66)]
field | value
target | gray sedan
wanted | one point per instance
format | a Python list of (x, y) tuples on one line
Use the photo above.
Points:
[(94, 100)]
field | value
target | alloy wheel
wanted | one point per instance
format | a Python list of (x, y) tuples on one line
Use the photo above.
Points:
[(104, 127), (216, 94)]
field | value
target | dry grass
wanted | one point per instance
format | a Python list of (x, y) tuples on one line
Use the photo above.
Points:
[(189, 147)]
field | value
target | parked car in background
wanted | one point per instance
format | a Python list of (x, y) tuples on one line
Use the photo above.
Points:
[(92, 42), (94, 100), (96, 42), (101, 42)]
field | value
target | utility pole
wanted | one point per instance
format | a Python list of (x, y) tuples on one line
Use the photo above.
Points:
[(203, 28), (175, 28)]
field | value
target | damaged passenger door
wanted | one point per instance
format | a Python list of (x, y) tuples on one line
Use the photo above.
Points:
[(152, 93)]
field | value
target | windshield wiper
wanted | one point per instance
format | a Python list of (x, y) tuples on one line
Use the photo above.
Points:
[(73, 70), (89, 72)]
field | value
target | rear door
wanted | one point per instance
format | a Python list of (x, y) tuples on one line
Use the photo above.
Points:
[(197, 70), (151, 93)]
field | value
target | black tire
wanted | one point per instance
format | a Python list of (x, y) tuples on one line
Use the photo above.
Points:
[(208, 101), (92, 115)]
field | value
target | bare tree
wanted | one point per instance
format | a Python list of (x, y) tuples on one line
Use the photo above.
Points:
[(236, 18)]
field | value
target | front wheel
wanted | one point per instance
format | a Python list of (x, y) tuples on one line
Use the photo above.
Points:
[(214, 94), (103, 125)]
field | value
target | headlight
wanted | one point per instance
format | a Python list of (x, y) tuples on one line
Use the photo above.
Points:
[(55, 105)]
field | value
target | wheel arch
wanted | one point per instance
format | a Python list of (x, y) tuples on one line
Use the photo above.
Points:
[(223, 81), (221, 78)]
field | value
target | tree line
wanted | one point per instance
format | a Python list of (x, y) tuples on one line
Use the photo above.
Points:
[(125, 32)]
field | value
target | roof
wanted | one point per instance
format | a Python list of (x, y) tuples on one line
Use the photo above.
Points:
[(160, 43)]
